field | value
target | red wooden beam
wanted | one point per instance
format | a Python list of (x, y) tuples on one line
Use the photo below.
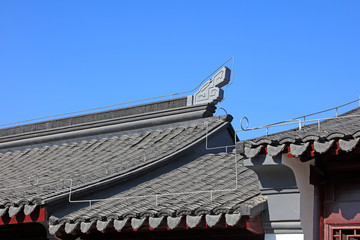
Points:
[(289, 152), (313, 151), (254, 225)]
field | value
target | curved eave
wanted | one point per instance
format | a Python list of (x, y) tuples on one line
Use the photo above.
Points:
[(306, 148), (226, 219)]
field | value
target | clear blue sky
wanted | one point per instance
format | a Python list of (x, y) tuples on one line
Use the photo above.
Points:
[(291, 57)]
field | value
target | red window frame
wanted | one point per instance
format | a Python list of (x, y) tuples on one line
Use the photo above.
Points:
[(331, 228)]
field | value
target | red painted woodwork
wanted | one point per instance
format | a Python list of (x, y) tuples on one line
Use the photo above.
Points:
[(289, 155), (310, 153), (337, 148), (339, 232), (336, 220), (313, 151), (341, 209), (337, 181), (37, 216), (254, 225)]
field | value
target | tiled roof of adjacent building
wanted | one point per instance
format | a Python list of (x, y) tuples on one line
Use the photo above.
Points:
[(340, 133), (211, 187)]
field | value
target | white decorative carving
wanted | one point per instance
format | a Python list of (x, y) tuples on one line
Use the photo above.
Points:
[(210, 92)]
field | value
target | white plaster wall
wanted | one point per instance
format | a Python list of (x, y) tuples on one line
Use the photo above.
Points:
[(302, 176), (284, 237)]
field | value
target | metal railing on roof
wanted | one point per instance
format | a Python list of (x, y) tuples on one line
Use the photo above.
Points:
[(127, 104), (298, 120)]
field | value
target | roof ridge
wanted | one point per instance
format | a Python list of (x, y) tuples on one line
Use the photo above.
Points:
[(141, 112), (60, 140), (139, 121)]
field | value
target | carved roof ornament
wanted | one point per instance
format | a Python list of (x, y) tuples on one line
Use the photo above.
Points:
[(211, 91)]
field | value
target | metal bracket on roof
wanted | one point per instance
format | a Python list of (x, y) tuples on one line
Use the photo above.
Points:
[(34, 179), (211, 91)]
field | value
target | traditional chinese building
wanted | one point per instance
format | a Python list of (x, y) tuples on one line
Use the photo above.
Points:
[(172, 170), (310, 178)]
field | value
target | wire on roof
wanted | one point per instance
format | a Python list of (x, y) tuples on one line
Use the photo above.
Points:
[(298, 120), (170, 96)]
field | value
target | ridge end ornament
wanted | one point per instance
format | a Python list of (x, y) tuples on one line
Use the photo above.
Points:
[(210, 91)]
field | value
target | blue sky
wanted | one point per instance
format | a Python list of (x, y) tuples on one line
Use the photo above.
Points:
[(291, 57)]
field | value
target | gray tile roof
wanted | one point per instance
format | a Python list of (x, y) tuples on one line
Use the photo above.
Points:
[(212, 187), (344, 130), (40, 174)]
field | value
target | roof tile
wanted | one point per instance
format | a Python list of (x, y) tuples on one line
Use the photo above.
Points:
[(44, 171), (210, 192), (345, 127)]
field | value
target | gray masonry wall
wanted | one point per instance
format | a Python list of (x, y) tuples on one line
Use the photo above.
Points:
[(278, 183)]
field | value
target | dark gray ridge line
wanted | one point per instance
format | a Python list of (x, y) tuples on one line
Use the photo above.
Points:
[(205, 109), (101, 128), (186, 123), (103, 115), (135, 172)]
